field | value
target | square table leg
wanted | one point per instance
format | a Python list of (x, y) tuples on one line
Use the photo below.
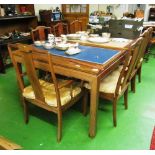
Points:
[(94, 96)]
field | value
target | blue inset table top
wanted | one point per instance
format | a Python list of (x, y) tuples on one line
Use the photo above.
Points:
[(88, 54)]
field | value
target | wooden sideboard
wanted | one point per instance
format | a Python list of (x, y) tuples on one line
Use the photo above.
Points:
[(9, 24), (19, 23)]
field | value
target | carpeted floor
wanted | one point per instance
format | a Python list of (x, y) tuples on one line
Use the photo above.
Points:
[(134, 129)]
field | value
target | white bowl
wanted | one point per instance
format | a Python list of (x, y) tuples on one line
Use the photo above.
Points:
[(72, 51), (73, 36), (62, 46), (106, 35), (48, 46), (38, 43), (82, 32)]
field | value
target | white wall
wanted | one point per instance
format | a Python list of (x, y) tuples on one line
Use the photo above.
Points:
[(146, 14), (93, 7)]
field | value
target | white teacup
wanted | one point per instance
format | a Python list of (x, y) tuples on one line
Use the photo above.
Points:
[(51, 37), (64, 38), (106, 35)]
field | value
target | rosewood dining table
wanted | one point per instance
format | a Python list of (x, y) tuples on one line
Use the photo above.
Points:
[(92, 64)]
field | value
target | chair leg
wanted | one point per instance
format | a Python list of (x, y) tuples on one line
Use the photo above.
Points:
[(59, 132), (133, 83), (26, 113), (114, 112), (126, 99), (85, 102), (139, 74), (146, 57)]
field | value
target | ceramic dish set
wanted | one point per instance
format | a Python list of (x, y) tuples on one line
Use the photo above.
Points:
[(69, 48)]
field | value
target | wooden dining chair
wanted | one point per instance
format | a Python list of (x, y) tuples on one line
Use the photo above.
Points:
[(151, 41), (116, 83), (75, 26), (56, 97), (40, 33), (138, 63), (60, 28)]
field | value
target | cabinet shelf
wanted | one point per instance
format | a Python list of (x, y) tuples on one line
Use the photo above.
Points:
[(20, 23), (16, 17)]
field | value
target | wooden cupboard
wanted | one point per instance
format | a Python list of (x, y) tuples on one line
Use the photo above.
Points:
[(73, 12)]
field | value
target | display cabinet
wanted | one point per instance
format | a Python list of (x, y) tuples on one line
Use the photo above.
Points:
[(14, 25)]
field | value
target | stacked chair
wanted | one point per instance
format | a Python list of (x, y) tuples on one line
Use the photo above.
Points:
[(75, 26), (56, 97), (60, 28), (40, 33), (151, 41), (140, 57)]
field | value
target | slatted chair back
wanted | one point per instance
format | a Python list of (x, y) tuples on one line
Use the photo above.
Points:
[(75, 26), (150, 29), (17, 61), (145, 40), (40, 33), (128, 66), (33, 59), (60, 28), (138, 63), (146, 36)]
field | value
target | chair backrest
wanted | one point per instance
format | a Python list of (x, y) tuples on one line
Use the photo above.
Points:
[(34, 59), (145, 40), (150, 29), (60, 28), (128, 65), (75, 26), (40, 33)]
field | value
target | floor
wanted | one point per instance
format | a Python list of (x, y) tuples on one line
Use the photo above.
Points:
[(133, 132)]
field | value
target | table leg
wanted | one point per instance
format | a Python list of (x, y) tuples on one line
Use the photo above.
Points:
[(94, 94)]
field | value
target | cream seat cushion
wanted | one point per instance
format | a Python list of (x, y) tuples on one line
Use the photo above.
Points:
[(49, 92), (108, 84)]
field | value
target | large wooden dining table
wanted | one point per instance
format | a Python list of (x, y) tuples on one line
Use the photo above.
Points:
[(92, 64)]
